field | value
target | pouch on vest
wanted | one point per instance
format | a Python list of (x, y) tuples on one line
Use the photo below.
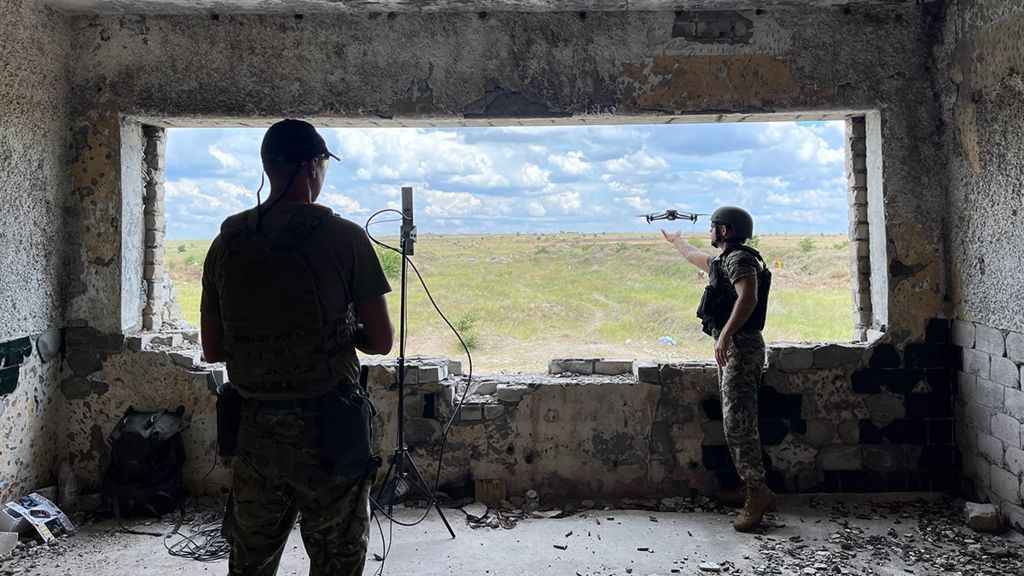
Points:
[(347, 433), (229, 419)]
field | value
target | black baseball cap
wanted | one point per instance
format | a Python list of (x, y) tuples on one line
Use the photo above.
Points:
[(292, 141)]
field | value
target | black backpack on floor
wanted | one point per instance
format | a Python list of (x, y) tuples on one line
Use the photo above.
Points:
[(147, 456)]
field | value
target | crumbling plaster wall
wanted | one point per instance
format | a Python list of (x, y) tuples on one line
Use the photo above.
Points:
[(980, 75), (503, 68), (34, 137), (377, 68)]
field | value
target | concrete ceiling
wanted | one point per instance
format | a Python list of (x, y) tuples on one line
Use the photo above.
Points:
[(439, 6)]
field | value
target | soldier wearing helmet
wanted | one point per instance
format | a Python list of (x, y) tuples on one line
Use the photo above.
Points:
[(733, 311)]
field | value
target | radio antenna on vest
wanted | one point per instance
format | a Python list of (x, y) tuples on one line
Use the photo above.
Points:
[(402, 476)]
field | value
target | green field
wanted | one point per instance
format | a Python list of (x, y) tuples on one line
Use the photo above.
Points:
[(521, 300)]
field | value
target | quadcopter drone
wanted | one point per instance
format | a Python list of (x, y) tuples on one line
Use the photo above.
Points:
[(671, 215)]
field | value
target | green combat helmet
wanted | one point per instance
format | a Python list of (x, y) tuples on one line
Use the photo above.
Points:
[(739, 221)]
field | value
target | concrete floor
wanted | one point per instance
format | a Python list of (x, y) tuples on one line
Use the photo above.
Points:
[(884, 535)]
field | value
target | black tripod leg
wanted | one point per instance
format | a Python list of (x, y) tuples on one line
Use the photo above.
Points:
[(384, 486), (418, 479)]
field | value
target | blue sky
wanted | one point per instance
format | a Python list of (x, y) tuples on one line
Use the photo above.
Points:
[(533, 179)]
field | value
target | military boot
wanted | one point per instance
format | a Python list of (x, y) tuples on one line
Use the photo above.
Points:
[(759, 500)]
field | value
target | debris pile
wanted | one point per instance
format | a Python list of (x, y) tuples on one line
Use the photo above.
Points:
[(924, 538)]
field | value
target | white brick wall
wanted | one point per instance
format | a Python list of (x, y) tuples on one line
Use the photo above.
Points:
[(990, 430)]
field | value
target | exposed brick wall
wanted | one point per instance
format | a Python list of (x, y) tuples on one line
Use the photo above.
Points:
[(860, 254), (990, 411)]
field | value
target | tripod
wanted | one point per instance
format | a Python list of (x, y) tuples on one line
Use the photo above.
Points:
[(402, 476)]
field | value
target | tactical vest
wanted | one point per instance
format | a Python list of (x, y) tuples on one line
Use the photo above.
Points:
[(717, 303), (278, 342)]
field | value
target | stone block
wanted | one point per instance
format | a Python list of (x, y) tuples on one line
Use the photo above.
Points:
[(572, 366), (486, 387), (1013, 403), (840, 457), (884, 356), (1015, 347), (1014, 460), (991, 448), (184, 358), (885, 458), (869, 432), (1005, 484), (492, 411), (926, 355), (1013, 515), (795, 358), (836, 355), (884, 408), (929, 406), (429, 374), (963, 333), (937, 331), (471, 413), (849, 431), (982, 517), (647, 372), (1004, 371), (977, 363), (613, 367), (139, 342), (512, 393), (978, 417), (990, 340), (76, 388), (85, 338), (1006, 429), (171, 340), (818, 432), (868, 381), (83, 363), (455, 367), (8, 542)]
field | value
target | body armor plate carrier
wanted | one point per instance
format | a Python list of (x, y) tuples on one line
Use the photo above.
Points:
[(717, 303), (278, 342)]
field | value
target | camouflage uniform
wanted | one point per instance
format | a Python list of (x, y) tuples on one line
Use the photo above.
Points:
[(279, 466), (739, 381), (278, 473)]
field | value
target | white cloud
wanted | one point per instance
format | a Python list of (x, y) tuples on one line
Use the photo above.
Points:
[(815, 198), (566, 202), (639, 162), (344, 204), (227, 160), (449, 204), (724, 176), (571, 163), (536, 209), (636, 202), (533, 176)]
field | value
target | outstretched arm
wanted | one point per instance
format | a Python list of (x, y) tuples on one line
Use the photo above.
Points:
[(692, 255)]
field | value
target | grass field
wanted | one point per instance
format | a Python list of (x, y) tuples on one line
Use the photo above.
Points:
[(521, 300)]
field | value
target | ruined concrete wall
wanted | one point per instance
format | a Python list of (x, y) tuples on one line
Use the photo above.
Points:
[(980, 72), (979, 76), (833, 418), (105, 374), (506, 67), (34, 112)]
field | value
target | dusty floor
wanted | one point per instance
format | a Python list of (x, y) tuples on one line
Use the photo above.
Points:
[(883, 535)]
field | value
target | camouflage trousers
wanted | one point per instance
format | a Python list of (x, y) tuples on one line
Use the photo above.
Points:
[(278, 473), (739, 381)]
